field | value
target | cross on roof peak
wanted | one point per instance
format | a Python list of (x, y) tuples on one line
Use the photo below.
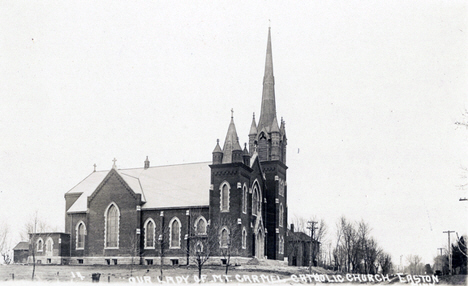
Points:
[(114, 166)]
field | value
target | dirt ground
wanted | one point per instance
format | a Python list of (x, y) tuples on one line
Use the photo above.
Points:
[(249, 274)]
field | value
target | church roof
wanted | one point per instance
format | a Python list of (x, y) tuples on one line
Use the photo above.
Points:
[(161, 186)]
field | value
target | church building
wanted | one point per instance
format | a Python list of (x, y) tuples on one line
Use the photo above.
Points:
[(153, 213)]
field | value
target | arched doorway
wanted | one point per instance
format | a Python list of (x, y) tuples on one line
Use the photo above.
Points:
[(259, 244)]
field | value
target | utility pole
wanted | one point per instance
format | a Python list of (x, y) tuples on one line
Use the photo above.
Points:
[(448, 232), (311, 259)]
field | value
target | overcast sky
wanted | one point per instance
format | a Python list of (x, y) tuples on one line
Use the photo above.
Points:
[(370, 93)]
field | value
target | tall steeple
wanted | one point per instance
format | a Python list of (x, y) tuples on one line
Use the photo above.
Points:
[(268, 111)]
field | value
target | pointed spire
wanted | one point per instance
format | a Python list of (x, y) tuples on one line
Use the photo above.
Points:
[(275, 126), (253, 127), (268, 111), (231, 142), (217, 149)]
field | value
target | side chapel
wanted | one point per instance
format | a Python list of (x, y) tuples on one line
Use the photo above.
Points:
[(113, 217)]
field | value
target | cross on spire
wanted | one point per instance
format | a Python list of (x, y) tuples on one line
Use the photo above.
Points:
[(94, 167), (232, 112), (114, 166)]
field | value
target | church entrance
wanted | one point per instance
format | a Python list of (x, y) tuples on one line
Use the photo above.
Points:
[(259, 244)]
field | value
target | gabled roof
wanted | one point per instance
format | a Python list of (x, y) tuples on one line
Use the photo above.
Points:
[(22, 245), (161, 187)]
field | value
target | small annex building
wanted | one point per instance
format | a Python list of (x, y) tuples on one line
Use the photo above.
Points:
[(154, 213), (20, 252)]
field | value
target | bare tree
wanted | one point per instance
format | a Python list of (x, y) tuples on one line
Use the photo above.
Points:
[(5, 245), (202, 241), (414, 264), (134, 250), (385, 262)]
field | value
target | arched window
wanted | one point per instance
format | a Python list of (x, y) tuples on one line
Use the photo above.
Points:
[(281, 211), (244, 238), (40, 245), (256, 200), (244, 199), (174, 232), (200, 225), (112, 226), (49, 245), (149, 233), (80, 235), (224, 200), (224, 238)]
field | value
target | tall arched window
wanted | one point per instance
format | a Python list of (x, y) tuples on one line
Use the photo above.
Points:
[(200, 226), (112, 226), (174, 232), (224, 238), (244, 238), (80, 235), (224, 200), (40, 245), (256, 200), (49, 246), (149, 233), (244, 199), (281, 211)]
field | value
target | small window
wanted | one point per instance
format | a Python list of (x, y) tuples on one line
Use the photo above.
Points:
[(49, 261), (80, 261), (223, 261), (200, 226), (199, 247), (149, 261), (39, 262), (224, 238), (175, 262), (115, 261), (108, 261)]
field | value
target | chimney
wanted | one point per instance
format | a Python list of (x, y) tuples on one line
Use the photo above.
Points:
[(292, 228), (147, 163)]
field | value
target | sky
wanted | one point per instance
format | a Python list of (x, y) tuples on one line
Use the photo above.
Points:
[(370, 93)]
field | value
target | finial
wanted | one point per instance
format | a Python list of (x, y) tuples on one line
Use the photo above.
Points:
[(269, 23), (232, 112), (254, 115), (94, 167), (114, 166), (217, 141)]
